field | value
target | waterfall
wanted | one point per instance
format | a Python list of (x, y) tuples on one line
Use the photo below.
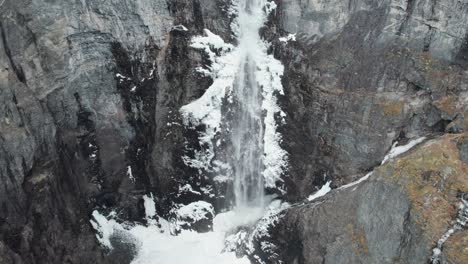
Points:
[(246, 127), (239, 146)]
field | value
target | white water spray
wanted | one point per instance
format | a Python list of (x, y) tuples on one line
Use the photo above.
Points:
[(247, 127)]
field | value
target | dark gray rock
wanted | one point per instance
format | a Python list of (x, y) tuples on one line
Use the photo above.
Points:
[(70, 127), (359, 226), (397, 215), (363, 74)]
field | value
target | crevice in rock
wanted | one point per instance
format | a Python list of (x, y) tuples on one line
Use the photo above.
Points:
[(428, 39), (406, 234), (16, 68), (138, 93), (87, 142), (441, 125), (462, 56), (410, 6)]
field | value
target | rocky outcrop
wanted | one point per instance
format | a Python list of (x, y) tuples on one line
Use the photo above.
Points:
[(397, 215), (363, 74)]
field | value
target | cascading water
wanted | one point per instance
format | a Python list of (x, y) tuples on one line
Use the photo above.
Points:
[(240, 108), (246, 130)]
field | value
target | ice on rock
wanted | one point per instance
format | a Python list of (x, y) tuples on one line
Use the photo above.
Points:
[(196, 211)]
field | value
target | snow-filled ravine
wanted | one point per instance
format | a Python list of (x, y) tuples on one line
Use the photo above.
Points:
[(246, 80)]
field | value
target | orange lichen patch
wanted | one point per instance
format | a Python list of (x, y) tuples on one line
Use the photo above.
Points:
[(358, 237), (432, 176), (392, 107), (456, 247), (447, 104)]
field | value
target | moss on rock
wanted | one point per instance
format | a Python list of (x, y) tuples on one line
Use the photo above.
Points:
[(433, 176)]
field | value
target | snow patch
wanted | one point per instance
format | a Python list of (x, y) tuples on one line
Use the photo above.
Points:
[(195, 211), (356, 182), (290, 37), (150, 208), (120, 76), (324, 190), (188, 188), (396, 151), (261, 221), (221, 178), (130, 174), (104, 227), (179, 28)]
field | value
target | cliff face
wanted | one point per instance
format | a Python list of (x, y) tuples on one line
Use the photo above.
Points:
[(87, 90), (397, 215), (90, 93), (362, 74)]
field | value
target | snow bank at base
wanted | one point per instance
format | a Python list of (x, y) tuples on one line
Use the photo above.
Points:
[(187, 247), (256, 225), (157, 245)]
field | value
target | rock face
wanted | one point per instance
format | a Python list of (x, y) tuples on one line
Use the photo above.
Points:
[(90, 93), (396, 216), (362, 74), (87, 89)]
